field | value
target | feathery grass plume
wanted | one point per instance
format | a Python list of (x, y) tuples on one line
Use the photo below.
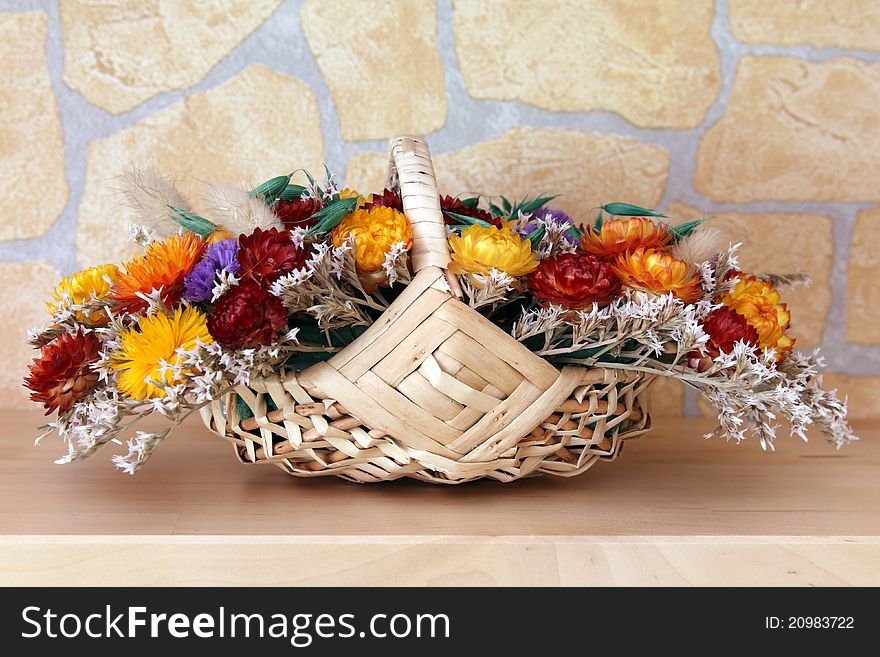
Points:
[(150, 194), (234, 209), (703, 243), (780, 281)]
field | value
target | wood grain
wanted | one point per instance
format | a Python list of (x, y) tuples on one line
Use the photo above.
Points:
[(439, 561), (670, 482), (674, 510)]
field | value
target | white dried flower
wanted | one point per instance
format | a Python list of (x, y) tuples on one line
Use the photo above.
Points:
[(223, 282)]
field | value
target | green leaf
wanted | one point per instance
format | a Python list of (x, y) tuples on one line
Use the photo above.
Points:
[(526, 206), (684, 230), (192, 222), (244, 411), (471, 203), (272, 188), (507, 206), (576, 232), (495, 210), (600, 218), (330, 217), (536, 235), (468, 221), (627, 210), (291, 193)]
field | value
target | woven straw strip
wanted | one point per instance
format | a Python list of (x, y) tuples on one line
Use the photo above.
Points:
[(465, 349), (413, 349), (498, 418), (410, 294), (417, 388), (404, 325), (491, 337), (455, 389), (371, 412), (552, 447), (376, 388), (527, 417), (410, 163)]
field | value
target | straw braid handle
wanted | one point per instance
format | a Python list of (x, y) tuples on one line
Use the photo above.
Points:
[(410, 166)]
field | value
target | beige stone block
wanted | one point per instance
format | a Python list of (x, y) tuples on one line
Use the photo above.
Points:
[(667, 397), (795, 130), (655, 65), (819, 23), (33, 186), (23, 293), (118, 54), (782, 244), (231, 133), (862, 393), (863, 309), (381, 63), (587, 169)]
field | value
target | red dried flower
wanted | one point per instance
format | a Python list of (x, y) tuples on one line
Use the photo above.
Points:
[(725, 328), (298, 212), (387, 199), (266, 255), (247, 316), (391, 199), (62, 375), (450, 204), (574, 281)]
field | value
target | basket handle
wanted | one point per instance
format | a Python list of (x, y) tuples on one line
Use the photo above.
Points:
[(410, 169)]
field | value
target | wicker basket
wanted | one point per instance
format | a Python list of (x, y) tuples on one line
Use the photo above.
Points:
[(433, 390)]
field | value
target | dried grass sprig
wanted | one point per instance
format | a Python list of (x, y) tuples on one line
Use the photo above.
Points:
[(151, 195), (238, 211), (698, 247), (786, 280)]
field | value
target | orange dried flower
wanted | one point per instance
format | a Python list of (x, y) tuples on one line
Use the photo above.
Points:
[(758, 302), (657, 272), (163, 266), (618, 236)]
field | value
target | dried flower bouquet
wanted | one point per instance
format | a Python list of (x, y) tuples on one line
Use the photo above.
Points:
[(282, 276)]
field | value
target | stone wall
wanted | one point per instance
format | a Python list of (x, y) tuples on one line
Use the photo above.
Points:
[(763, 114)]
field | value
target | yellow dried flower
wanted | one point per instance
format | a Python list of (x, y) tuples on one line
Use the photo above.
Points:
[(345, 192), (82, 286), (481, 248), (154, 341), (375, 231)]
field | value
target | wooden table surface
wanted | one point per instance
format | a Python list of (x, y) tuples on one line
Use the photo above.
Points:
[(674, 509)]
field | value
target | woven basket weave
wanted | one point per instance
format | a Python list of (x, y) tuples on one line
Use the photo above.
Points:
[(433, 390)]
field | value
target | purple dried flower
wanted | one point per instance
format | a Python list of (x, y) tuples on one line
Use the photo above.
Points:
[(199, 283), (550, 215)]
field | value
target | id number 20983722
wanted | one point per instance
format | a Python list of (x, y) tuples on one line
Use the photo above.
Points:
[(809, 622)]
